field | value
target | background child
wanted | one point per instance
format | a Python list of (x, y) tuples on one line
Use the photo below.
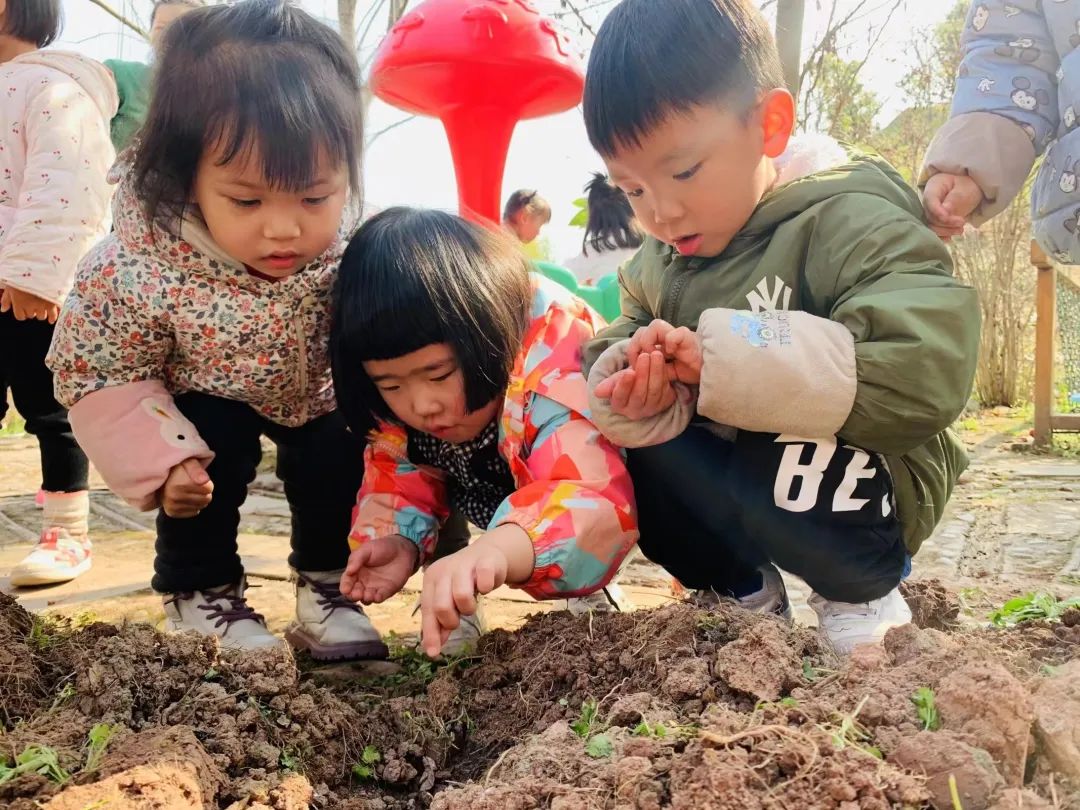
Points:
[(470, 369), (1017, 96), (612, 235), (526, 212), (54, 200), (133, 78), (201, 324), (832, 349)]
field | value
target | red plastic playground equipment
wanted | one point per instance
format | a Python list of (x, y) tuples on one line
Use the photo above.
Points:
[(480, 66)]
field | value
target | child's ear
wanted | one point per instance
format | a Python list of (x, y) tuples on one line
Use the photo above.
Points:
[(777, 121)]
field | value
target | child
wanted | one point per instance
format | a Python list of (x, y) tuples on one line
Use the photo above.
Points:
[(809, 320), (200, 324), (54, 202), (612, 233), (469, 369), (526, 212), (133, 78), (1017, 96)]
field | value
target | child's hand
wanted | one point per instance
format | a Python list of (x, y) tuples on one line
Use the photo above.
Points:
[(187, 491), (949, 199), (680, 347), (641, 391), (450, 588), (27, 307), (379, 569)]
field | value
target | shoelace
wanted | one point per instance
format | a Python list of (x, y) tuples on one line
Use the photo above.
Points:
[(329, 596), (236, 609)]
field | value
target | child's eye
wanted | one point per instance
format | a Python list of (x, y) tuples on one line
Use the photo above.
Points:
[(637, 192), (688, 173), (389, 389), (244, 203), (316, 200), (445, 376)]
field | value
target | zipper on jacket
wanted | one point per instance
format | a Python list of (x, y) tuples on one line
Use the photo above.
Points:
[(669, 308), (301, 345)]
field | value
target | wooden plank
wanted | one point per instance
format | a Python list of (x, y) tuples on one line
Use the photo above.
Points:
[(1069, 422), (1045, 312)]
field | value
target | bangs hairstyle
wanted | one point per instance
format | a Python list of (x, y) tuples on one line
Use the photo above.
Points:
[(411, 278), (655, 58), (258, 78), (611, 224), (37, 21)]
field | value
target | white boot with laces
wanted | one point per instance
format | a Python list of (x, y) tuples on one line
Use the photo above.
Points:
[(221, 612), (64, 551), (328, 625), (847, 624)]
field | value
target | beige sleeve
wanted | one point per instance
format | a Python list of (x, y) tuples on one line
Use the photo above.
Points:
[(996, 152), (776, 372)]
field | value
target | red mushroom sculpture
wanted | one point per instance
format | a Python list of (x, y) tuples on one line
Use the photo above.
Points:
[(479, 66)]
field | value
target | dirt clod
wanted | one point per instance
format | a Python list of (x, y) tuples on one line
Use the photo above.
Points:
[(1057, 719), (942, 754)]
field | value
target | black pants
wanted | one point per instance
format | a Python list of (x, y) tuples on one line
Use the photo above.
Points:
[(321, 465), (712, 512), (23, 346)]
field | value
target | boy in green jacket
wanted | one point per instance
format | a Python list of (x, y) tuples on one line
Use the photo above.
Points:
[(792, 346)]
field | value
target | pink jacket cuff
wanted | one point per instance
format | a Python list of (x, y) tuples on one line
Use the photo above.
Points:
[(134, 435)]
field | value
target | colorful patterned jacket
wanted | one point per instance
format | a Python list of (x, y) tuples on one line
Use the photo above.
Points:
[(574, 497)]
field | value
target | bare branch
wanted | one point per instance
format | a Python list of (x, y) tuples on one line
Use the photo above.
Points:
[(112, 12), (379, 133), (569, 4)]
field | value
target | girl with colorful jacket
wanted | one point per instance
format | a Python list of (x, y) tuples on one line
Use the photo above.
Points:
[(1017, 97), (200, 324), (465, 371), (54, 205)]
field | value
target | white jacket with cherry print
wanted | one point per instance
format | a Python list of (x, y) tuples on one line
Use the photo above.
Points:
[(161, 311), (55, 151)]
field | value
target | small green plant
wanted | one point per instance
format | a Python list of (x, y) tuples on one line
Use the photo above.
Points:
[(1037, 606), (810, 672), (583, 725), (211, 675), (289, 760), (924, 705), (364, 770), (599, 746), (645, 729), (37, 759), (849, 732), (96, 743)]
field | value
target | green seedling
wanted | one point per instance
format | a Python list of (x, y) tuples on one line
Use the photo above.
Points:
[(646, 729), (289, 760), (810, 672), (37, 759), (364, 770), (924, 705), (96, 743), (583, 725), (599, 747), (1037, 606), (849, 733)]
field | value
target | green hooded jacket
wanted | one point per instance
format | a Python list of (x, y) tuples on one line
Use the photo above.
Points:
[(847, 244), (133, 85)]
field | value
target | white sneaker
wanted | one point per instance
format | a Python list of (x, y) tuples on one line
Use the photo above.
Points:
[(771, 597), (847, 625), (221, 612), (63, 551), (610, 599), (462, 639), (328, 625)]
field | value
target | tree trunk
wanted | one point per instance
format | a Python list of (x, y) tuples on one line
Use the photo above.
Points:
[(789, 28), (346, 12)]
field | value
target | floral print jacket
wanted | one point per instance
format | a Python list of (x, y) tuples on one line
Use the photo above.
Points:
[(574, 497), (160, 310)]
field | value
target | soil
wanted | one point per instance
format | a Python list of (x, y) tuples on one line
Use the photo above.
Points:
[(679, 707)]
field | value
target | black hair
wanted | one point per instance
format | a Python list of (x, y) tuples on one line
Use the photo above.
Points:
[(37, 21), (528, 199), (259, 76), (653, 58), (611, 222), (410, 278), (185, 3)]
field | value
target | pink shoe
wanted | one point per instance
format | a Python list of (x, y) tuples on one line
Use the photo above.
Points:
[(39, 499), (63, 552)]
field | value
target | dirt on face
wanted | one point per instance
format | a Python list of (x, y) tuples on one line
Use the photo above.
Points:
[(679, 707)]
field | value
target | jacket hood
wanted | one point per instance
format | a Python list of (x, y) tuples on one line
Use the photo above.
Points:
[(92, 76)]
